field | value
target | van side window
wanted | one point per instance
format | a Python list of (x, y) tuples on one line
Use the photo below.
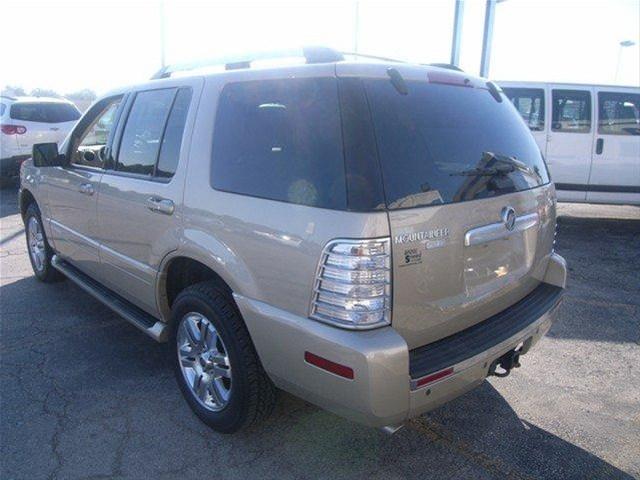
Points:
[(618, 113), (172, 138), (530, 104), (281, 140), (571, 111), (142, 134)]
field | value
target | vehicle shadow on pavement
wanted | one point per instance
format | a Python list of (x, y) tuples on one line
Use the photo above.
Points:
[(9, 200), (84, 393)]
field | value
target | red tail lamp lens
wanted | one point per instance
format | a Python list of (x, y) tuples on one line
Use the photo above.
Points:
[(329, 366), (14, 129)]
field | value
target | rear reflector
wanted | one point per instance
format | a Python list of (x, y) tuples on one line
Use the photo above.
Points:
[(433, 377), (328, 365)]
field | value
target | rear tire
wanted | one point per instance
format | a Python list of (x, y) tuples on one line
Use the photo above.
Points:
[(40, 252), (215, 363)]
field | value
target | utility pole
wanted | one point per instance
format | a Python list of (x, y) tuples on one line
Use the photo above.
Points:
[(356, 29), (487, 37), (623, 44), (162, 35), (457, 33)]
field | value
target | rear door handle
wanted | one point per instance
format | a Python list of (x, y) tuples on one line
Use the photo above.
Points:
[(160, 205), (87, 189), (599, 146)]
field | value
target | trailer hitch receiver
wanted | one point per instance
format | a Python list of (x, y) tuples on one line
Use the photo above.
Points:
[(502, 366)]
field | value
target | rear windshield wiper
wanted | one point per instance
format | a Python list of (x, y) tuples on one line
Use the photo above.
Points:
[(502, 164), (487, 171)]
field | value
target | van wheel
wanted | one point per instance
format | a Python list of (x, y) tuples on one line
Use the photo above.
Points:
[(215, 362), (40, 252)]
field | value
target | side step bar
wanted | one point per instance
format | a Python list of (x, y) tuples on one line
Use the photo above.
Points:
[(134, 315)]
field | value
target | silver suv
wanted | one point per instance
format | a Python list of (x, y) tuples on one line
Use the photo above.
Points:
[(374, 237)]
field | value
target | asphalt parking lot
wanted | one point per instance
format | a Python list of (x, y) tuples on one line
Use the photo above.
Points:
[(86, 395)]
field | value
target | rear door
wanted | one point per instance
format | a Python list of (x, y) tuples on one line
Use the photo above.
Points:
[(456, 163), (570, 141), (615, 171), (139, 204)]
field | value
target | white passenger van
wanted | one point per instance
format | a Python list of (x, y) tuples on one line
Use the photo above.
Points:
[(590, 136)]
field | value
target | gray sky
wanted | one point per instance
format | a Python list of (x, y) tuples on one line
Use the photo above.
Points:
[(98, 44)]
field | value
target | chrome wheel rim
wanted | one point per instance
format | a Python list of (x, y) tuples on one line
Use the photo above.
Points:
[(204, 361), (35, 242)]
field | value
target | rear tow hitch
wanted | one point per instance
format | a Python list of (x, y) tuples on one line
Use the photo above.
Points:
[(505, 363)]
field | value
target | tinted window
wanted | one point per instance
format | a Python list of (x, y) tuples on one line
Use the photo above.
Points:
[(142, 133), (618, 113), (280, 139), (571, 111), (530, 104), (3, 107), (44, 112), (441, 144), (172, 139), (89, 151)]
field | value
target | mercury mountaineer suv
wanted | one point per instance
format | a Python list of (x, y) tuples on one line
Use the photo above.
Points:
[(375, 237)]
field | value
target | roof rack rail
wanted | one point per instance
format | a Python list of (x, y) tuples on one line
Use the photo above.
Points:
[(8, 97), (448, 66), (373, 57), (310, 54)]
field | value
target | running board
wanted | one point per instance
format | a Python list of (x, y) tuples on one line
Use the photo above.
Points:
[(134, 315)]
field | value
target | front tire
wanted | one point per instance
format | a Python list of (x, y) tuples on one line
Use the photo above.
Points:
[(40, 252), (215, 363)]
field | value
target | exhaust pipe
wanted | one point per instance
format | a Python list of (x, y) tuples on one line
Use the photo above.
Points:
[(391, 429)]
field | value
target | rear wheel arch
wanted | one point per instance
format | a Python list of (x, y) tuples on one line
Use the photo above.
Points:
[(181, 272)]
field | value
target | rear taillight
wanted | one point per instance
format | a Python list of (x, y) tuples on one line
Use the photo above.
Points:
[(14, 129), (353, 284)]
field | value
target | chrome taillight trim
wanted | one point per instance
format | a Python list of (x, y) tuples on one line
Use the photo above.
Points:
[(344, 283)]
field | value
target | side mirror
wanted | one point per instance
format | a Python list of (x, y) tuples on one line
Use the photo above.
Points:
[(46, 155)]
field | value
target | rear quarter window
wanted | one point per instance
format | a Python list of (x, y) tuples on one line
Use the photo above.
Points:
[(281, 140), (44, 112)]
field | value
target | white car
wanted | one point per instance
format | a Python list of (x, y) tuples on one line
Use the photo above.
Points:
[(28, 120), (590, 136)]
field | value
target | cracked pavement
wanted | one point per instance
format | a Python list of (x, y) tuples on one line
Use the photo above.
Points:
[(83, 394)]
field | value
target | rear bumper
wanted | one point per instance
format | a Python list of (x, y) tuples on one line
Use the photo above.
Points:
[(388, 381)]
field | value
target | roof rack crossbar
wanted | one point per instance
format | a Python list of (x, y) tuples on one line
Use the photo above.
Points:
[(310, 54)]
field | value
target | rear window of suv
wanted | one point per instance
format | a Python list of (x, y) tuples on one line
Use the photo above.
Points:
[(442, 144), (281, 140), (44, 112)]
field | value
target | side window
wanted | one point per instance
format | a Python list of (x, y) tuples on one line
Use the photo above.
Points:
[(281, 140), (142, 134), (530, 104), (172, 139), (571, 111), (618, 113), (89, 148)]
